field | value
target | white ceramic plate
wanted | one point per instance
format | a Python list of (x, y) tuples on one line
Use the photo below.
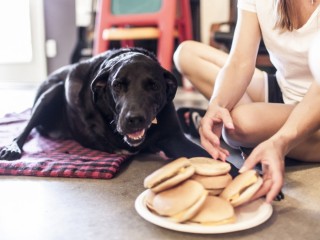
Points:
[(248, 216)]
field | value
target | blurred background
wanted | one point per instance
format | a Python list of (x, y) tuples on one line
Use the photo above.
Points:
[(39, 36)]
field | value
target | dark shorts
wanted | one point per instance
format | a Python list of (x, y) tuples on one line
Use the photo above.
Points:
[(274, 92)]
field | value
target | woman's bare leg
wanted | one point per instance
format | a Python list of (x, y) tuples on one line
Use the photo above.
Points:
[(256, 122), (200, 64)]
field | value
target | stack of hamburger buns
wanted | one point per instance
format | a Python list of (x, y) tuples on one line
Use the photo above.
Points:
[(212, 174), (199, 191)]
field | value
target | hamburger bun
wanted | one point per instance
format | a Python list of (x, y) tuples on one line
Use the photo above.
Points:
[(209, 166), (213, 184), (215, 192), (149, 199), (242, 188), (215, 211), (169, 175), (180, 203)]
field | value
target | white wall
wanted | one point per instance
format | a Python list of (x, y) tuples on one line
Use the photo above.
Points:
[(212, 11)]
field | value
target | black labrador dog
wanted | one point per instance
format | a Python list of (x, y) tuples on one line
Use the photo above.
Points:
[(119, 102)]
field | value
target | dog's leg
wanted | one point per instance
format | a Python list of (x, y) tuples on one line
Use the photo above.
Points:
[(179, 146), (40, 109)]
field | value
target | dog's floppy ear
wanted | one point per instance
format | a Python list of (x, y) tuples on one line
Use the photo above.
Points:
[(171, 85), (99, 83)]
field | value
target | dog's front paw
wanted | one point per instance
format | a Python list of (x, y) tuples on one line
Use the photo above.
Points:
[(11, 152)]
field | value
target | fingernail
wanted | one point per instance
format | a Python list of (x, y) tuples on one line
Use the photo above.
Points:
[(229, 126), (243, 169)]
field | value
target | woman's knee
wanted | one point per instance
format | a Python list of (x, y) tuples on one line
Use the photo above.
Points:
[(183, 52)]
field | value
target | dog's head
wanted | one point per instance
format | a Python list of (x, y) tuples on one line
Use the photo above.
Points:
[(136, 88)]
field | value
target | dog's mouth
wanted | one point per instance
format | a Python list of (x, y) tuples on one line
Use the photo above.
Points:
[(134, 139)]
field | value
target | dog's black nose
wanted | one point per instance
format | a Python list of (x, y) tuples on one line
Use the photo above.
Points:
[(135, 120)]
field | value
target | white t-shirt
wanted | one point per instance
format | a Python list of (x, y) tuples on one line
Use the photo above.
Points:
[(288, 50)]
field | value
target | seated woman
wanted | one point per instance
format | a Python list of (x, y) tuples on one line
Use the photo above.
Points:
[(248, 106)]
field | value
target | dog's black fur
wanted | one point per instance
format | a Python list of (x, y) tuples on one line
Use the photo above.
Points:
[(108, 103)]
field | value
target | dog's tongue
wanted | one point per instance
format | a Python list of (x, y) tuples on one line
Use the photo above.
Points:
[(136, 135)]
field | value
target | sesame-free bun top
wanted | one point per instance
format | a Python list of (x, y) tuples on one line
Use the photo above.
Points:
[(181, 202), (214, 211), (209, 166), (169, 175), (242, 188), (213, 182), (149, 199)]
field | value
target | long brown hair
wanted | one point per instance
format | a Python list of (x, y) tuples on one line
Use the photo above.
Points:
[(285, 15)]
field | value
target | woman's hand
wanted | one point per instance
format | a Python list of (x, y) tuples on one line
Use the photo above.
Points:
[(210, 130), (271, 156)]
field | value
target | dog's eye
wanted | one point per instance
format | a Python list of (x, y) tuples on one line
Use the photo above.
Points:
[(117, 86), (154, 85)]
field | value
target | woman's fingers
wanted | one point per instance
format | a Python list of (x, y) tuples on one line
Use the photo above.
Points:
[(210, 140), (215, 151), (264, 189), (251, 161), (226, 119), (276, 185), (210, 131), (209, 136), (272, 163)]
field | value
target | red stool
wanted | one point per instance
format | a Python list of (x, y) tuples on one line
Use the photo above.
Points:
[(164, 20)]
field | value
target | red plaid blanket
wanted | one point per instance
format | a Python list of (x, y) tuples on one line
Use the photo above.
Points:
[(43, 157)]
